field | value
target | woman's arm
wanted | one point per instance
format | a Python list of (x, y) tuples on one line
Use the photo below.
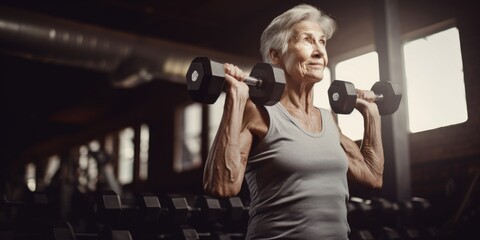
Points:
[(227, 159), (366, 162)]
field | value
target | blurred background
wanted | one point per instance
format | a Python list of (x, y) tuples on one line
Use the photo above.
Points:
[(95, 99)]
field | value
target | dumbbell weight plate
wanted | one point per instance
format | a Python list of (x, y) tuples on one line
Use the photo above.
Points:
[(391, 97), (273, 84), (205, 80), (342, 96)]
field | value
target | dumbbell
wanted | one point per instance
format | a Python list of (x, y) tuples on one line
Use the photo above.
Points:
[(343, 95), (360, 212), (62, 230), (205, 209), (145, 207), (29, 206), (108, 206), (206, 80), (235, 217), (361, 234), (179, 211)]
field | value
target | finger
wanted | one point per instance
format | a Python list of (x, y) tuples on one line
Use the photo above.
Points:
[(363, 105), (234, 71), (366, 95)]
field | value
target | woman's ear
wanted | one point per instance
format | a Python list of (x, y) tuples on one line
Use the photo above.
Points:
[(274, 56)]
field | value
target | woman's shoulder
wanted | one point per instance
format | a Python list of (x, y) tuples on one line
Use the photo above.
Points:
[(256, 119), (325, 112)]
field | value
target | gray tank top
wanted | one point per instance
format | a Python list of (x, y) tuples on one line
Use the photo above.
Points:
[(297, 181)]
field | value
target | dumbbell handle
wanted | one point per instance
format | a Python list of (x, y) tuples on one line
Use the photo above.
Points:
[(378, 97), (252, 81), (249, 80)]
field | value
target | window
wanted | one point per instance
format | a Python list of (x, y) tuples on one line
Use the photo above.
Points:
[(31, 176), (363, 72), (125, 155), (434, 79), (189, 141), (144, 147), (435, 88)]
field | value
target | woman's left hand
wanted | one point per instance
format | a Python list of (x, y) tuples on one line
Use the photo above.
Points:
[(366, 102)]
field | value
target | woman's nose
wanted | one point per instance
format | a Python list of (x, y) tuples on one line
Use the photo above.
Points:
[(318, 50), (317, 53)]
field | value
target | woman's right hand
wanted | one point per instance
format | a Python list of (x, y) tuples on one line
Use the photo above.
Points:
[(234, 78)]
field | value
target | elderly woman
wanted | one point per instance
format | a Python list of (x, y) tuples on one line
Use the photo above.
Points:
[(294, 159)]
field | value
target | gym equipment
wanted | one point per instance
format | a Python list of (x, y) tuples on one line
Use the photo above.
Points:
[(178, 209), (343, 95), (385, 211), (149, 207), (205, 209), (360, 213), (235, 217), (361, 234), (186, 232), (388, 233), (108, 207), (142, 208), (236, 210), (146, 207), (29, 206), (206, 78), (62, 230)]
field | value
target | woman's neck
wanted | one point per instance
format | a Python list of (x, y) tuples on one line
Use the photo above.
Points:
[(298, 96)]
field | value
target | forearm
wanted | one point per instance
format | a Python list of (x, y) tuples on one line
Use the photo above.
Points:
[(225, 167), (372, 147)]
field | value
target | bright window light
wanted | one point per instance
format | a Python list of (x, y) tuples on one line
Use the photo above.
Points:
[(434, 79), (363, 72), (126, 155), (189, 141), (144, 146), (320, 95)]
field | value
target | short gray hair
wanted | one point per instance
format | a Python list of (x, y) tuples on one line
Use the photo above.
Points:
[(278, 33)]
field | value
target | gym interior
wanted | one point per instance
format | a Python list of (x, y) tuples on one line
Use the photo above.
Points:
[(103, 140)]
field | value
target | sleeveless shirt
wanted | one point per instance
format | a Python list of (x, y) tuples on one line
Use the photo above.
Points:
[(297, 181)]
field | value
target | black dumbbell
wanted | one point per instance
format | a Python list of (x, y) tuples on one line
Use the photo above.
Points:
[(388, 233), (179, 211), (205, 209), (206, 78), (145, 207), (342, 96), (142, 208), (236, 210), (108, 206), (385, 211), (361, 234), (360, 212), (149, 207), (62, 230), (28, 206), (235, 216)]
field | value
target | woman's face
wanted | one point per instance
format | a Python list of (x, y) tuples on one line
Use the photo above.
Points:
[(306, 56)]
